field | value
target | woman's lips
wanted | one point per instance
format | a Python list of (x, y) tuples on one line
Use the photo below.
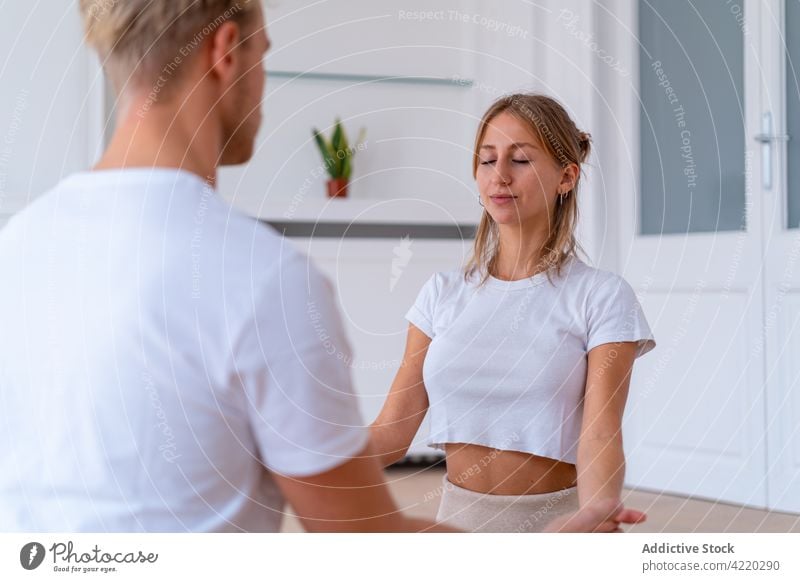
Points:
[(502, 199)]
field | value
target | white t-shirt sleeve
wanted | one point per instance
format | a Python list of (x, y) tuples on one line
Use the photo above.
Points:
[(294, 366), (615, 315), (422, 311)]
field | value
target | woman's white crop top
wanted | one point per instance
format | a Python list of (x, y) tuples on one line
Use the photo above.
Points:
[(506, 367)]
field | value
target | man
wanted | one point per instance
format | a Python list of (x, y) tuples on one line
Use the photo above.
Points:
[(167, 363)]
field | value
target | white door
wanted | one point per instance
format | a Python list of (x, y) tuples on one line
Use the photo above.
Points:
[(690, 242), (780, 104)]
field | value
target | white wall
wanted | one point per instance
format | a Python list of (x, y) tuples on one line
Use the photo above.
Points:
[(49, 107), (419, 136)]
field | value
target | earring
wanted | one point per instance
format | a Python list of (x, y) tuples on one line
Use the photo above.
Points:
[(480, 202)]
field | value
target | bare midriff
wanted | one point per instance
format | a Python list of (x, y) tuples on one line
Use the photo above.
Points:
[(487, 470)]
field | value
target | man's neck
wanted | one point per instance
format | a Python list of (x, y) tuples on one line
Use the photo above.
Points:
[(164, 137)]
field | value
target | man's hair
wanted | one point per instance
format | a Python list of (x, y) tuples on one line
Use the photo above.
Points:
[(137, 39)]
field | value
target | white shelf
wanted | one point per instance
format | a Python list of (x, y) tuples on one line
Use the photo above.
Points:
[(363, 211), (360, 78)]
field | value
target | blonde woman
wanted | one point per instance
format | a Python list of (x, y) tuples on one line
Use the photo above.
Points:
[(523, 358)]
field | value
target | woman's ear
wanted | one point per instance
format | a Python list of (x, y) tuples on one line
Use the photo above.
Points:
[(569, 177)]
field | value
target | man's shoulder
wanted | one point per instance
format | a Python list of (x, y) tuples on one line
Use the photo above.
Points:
[(241, 228)]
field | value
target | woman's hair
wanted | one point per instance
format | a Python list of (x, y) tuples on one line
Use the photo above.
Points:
[(558, 134)]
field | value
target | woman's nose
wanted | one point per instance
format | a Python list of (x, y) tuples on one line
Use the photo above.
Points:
[(502, 172)]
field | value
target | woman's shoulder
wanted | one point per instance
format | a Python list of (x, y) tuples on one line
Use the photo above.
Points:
[(450, 279), (600, 287), (577, 269), (591, 282), (448, 284)]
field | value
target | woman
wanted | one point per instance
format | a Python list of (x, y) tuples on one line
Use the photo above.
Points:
[(523, 358)]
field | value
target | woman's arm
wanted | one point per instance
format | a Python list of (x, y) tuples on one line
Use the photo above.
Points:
[(601, 461), (405, 407)]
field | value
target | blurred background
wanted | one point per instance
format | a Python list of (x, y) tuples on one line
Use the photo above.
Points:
[(692, 193)]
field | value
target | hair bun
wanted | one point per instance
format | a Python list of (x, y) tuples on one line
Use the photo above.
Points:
[(585, 144)]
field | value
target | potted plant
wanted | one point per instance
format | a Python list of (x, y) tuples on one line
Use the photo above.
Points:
[(337, 155)]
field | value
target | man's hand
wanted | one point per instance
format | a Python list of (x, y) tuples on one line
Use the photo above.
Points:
[(603, 516)]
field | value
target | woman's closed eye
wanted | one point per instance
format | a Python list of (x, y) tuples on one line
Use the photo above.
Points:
[(520, 161)]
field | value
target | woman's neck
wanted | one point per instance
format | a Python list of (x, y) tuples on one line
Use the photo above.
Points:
[(519, 252)]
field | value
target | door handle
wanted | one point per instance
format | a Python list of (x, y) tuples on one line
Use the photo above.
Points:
[(767, 140)]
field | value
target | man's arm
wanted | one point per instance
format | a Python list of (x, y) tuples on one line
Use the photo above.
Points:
[(352, 497)]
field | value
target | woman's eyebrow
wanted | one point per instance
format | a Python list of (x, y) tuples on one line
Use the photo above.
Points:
[(516, 144)]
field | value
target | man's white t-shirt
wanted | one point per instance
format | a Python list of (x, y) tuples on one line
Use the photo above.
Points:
[(507, 363), (158, 351)]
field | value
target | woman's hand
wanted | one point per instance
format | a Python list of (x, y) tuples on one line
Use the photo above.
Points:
[(603, 516)]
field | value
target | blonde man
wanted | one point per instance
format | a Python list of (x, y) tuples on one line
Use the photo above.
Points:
[(175, 366)]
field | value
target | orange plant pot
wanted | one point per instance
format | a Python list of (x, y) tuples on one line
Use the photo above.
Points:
[(337, 188)]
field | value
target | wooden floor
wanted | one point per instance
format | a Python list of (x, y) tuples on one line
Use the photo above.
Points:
[(416, 492)]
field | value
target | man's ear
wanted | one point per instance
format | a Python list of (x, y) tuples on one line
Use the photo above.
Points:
[(224, 54)]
